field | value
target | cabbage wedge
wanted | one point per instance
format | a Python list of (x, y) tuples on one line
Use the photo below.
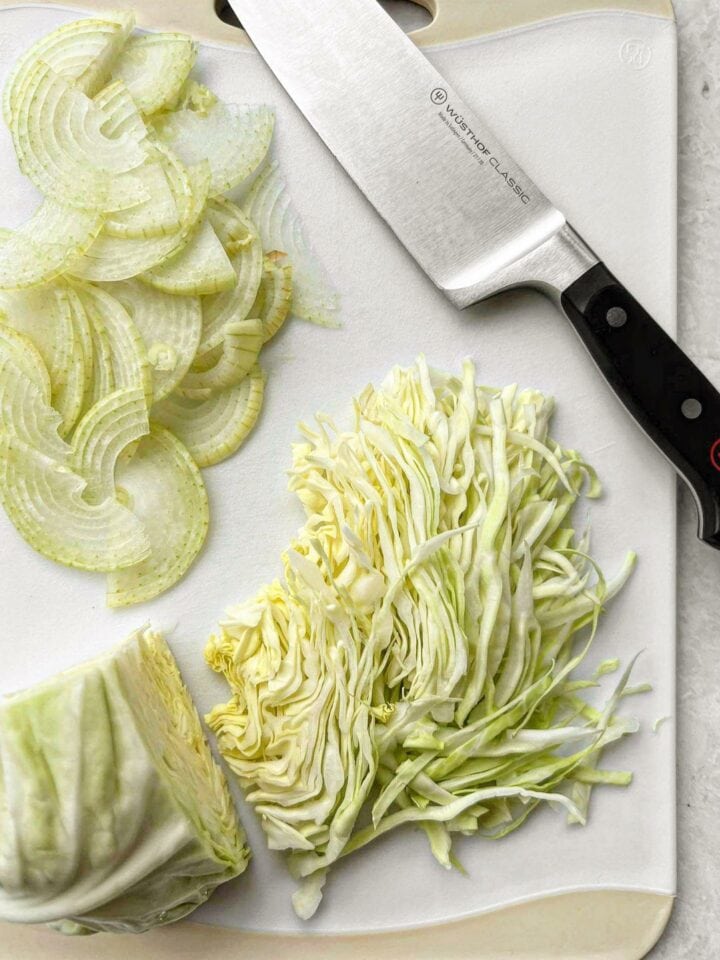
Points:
[(114, 816)]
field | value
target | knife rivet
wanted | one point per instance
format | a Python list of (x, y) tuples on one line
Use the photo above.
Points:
[(616, 317), (691, 409)]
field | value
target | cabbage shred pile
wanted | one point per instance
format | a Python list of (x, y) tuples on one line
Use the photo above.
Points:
[(418, 659)]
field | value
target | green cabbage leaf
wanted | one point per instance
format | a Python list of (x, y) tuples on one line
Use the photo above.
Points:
[(113, 814)]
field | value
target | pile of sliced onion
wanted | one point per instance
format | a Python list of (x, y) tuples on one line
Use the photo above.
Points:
[(135, 301)]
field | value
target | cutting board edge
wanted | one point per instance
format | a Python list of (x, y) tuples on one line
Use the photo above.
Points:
[(454, 21), (617, 925)]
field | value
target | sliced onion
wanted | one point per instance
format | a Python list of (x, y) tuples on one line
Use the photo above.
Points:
[(274, 299), (214, 429), (70, 397), (26, 357), (44, 501), (111, 425), (235, 231), (164, 488), (240, 348), (235, 304), (170, 327), (102, 381), (128, 354), (42, 314), (82, 51), (57, 132), (196, 97), (46, 245), (159, 216), (154, 67), (113, 258), (120, 112), (268, 206), (45, 316), (201, 268), (24, 411), (233, 139)]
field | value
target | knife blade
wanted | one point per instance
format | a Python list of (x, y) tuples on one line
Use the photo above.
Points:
[(472, 218)]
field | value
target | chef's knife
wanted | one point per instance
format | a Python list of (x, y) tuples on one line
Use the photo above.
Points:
[(472, 218)]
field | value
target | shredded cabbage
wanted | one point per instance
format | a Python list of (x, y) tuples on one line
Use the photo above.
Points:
[(418, 661)]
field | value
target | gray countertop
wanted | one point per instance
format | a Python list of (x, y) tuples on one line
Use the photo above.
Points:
[(694, 931)]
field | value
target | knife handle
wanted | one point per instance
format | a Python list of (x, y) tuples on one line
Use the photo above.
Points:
[(674, 403)]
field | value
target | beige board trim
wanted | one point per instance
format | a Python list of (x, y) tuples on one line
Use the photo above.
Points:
[(454, 21), (610, 925), (196, 17), (579, 926)]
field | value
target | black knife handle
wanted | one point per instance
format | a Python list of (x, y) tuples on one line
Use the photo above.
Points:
[(674, 403)]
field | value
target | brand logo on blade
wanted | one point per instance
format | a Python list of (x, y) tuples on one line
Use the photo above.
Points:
[(460, 127)]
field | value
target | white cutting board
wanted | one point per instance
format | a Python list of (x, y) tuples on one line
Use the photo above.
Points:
[(587, 103)]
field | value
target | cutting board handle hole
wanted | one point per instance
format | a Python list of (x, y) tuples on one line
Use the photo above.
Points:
[(226, 13), (411, 14), (408, 14)]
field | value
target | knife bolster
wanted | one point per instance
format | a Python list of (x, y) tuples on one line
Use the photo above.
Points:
[(551, 267)]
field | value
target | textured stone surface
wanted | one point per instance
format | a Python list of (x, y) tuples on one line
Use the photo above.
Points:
[(694, 932)]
